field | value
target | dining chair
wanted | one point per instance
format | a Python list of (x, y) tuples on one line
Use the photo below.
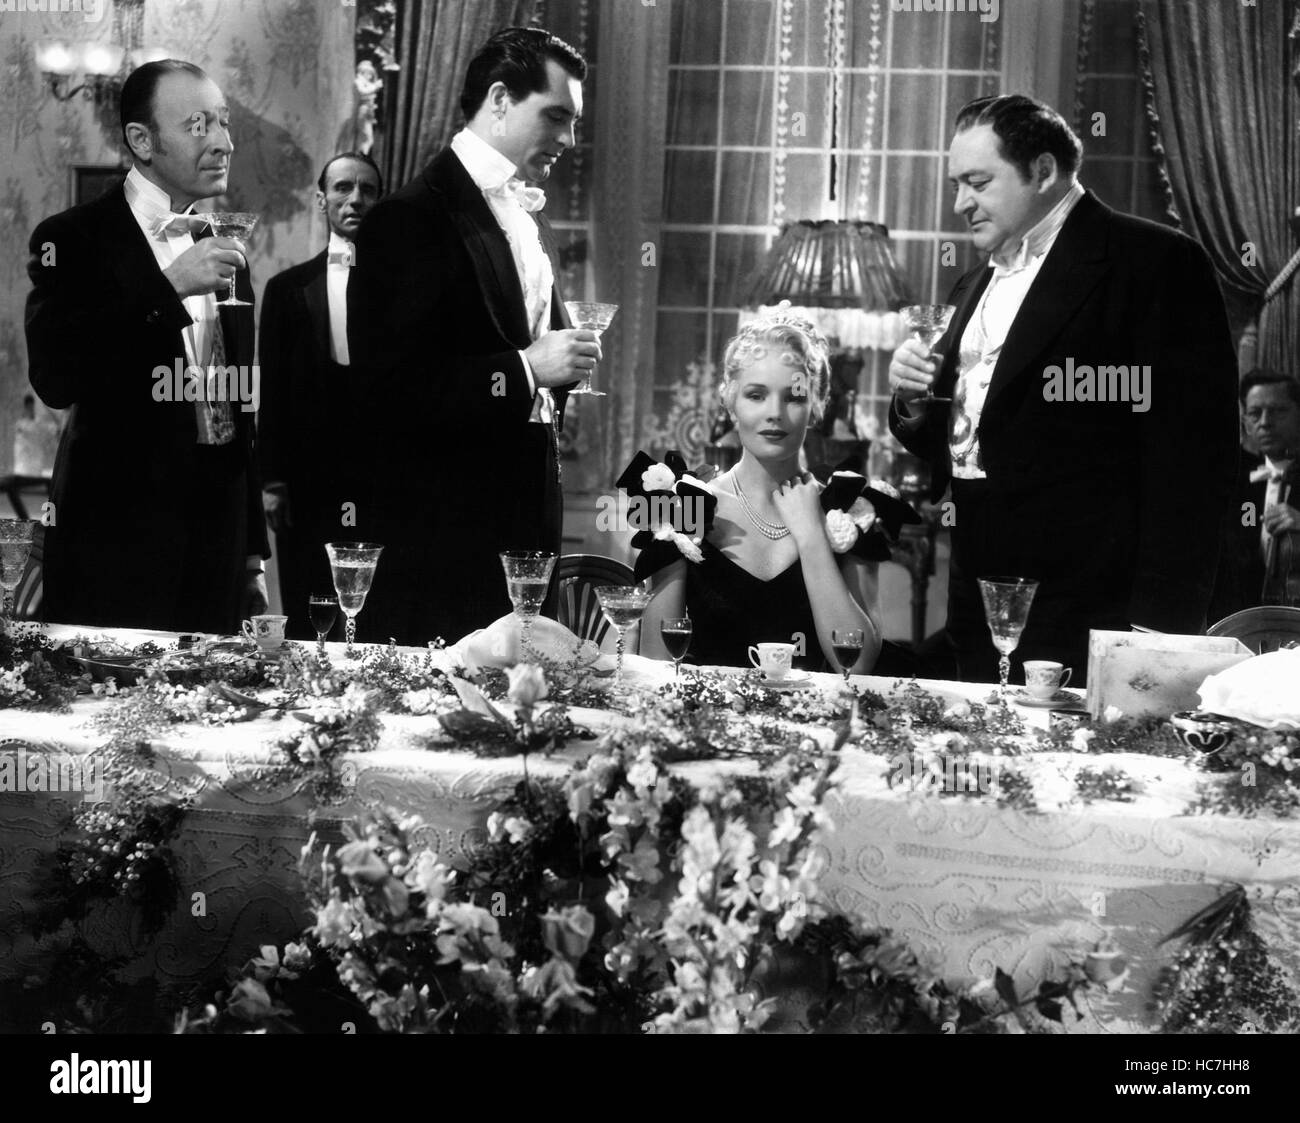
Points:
[(577, 576)]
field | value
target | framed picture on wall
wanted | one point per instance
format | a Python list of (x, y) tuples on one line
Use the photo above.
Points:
[(90, 181)]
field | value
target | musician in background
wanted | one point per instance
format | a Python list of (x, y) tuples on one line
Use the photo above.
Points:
[(1261, 563)]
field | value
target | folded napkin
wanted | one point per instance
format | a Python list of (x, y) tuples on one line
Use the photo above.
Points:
[(498, 645), (1264, 690)]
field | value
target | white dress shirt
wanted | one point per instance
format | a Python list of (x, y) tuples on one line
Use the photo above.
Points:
[(981, 345), (340, 257), (491, 171), (151, 205), (1277, 470)]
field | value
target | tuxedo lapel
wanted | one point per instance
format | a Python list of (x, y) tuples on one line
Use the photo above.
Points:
[(315, 294), (132, 255), (1074, 267), (485, 242)]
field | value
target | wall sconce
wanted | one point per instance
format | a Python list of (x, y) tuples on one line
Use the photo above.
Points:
[(103, 66)]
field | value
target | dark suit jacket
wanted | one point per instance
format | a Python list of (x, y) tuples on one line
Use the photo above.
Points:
[(100, 318), (436, 318), (1136, 499), (306, 431), (1240, 580)]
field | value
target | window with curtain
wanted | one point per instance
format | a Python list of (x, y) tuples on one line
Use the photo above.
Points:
[(762, 94)]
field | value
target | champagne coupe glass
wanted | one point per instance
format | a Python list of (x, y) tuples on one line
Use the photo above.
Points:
[(323, 610), (847, 644), (590, 316), (15, 548), (928, 322), (232, 224), (676, 633), (528, 575), (352, 565), (623, 604), (1006, 607)]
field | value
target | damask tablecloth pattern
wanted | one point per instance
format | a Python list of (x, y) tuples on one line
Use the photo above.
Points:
[(971, 884)]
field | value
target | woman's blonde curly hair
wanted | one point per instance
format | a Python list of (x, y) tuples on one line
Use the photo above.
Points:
[(801, 347)]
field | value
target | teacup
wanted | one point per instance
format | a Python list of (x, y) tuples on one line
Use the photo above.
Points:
[(1043, 678), (266, 631), (773, 659)]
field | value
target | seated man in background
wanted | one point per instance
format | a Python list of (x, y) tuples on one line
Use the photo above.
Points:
[(1259, 563)]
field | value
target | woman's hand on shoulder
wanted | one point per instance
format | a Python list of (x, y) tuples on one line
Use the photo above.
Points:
[(798, 501)]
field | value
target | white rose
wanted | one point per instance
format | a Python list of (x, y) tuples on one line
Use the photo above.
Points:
[(658, 477), (527, 684), (841, 530)]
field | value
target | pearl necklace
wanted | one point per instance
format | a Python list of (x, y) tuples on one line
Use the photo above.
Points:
[(774, 531)]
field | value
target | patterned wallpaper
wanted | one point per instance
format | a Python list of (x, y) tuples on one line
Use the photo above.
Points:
[(286, 69)]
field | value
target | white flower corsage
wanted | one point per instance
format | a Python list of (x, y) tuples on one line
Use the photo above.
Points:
[(863, 513), (841, 530), (658, 477), (689, 547)]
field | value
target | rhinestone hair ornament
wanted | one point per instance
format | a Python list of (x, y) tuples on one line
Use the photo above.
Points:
[(754, 342)]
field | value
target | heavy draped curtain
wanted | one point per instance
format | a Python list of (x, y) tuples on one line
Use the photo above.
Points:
[(435, 41), (1225, 113)]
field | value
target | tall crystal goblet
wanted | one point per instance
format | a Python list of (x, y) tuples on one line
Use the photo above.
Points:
[(1006, 608), (16, 537), (232, 224), (623, 604), (590, 316), (352, 565), (928, 322), (528, 576)]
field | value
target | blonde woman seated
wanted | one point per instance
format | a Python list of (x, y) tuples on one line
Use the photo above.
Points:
[(779, 557)]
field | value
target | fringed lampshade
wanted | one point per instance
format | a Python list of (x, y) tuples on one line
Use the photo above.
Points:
[(841, 275)]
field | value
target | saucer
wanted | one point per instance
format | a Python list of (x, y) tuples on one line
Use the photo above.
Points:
[(790, 682), (1062, 698)]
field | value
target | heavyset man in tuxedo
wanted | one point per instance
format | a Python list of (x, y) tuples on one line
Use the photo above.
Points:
[(1261, 552), (1114, 506), (157, 502), (310, 390), (455, 314)]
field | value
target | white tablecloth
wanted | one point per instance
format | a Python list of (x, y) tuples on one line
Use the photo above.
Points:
[(976, 885)]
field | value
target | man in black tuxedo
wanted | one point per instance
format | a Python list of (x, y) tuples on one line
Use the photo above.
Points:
[(1091, 437), (157, 504), (456, 314), (309, 393), (1265, 522)]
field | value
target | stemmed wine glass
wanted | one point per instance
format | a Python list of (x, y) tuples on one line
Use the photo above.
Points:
[(928, 322), (528, 575), (847, 644), (1006, 607), (15, 548), (323, 610), (676, 633), (352, 565), (232, 224), (590, 316), (623, 604)]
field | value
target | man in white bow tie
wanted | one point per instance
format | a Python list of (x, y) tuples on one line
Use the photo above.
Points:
[(157, 502), (309, 390), (1264, 538), (456, 318)]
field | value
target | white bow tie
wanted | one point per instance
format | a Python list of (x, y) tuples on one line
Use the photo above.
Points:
[(168, 222), (346, 257), (530, 198), (1274, 475)]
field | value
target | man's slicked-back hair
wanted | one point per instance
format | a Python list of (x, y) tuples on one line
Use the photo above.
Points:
[(137, 104), (517, 56), (1025, 129), (320, 182), (1261, 377)]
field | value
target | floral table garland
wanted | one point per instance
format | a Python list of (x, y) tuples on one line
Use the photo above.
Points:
[(620, 898)]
